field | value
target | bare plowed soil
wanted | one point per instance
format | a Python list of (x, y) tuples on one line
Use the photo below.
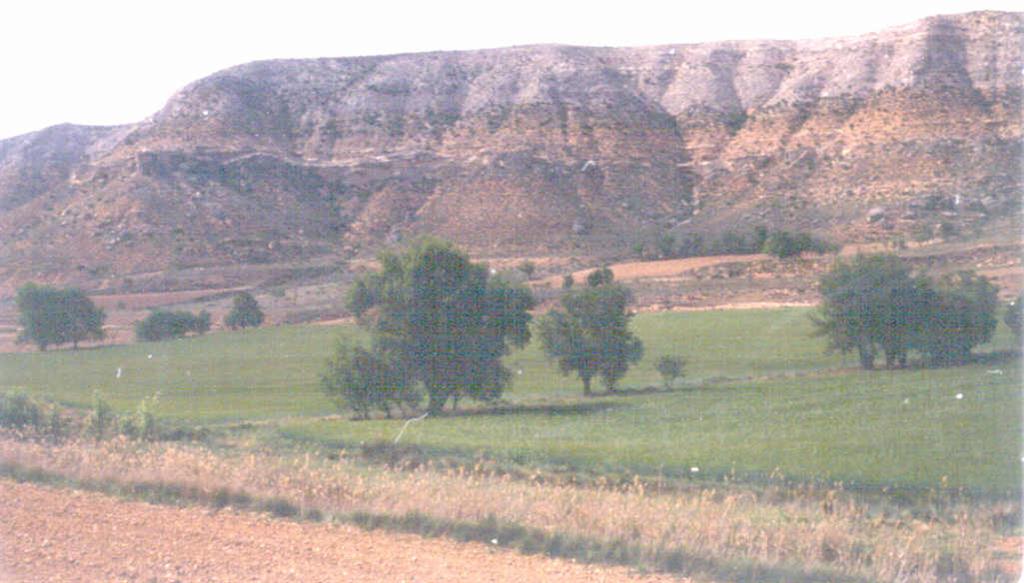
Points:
[(50, 534)]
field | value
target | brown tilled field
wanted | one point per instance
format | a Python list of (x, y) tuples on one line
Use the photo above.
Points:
[(69, 535)]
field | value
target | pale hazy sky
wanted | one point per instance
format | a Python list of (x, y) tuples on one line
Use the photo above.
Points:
[(110, 62)]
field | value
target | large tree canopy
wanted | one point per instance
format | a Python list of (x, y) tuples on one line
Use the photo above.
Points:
[(962, 316), (874, 302), (590, 335), (443, 319), (50, 317)]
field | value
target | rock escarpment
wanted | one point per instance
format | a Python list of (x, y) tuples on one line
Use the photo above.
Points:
[(529, 150)]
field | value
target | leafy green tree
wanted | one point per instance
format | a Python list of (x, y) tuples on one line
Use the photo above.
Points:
[(670, 368), (166, 324), (443, 319), (245, 312), (590, 335), (600, 276), (962, 316), (364, 380), (1014, 316), (873, 302), (50, 317)]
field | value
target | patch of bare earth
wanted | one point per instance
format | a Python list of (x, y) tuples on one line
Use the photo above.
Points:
[(50, 534)]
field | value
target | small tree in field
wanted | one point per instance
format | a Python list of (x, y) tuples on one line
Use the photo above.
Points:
[(50, 317), (670, 368), (590, 335), (245, 312)]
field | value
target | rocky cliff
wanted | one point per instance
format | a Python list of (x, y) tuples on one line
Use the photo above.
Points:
[(541, 150)]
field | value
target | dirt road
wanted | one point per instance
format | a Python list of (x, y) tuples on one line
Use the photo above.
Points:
[(49, 534)]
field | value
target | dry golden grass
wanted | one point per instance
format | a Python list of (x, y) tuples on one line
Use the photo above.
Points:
[(812, 529)]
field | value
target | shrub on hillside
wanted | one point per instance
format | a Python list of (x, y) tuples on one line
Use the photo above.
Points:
[(166, 324), (245, 312), (783, 244)]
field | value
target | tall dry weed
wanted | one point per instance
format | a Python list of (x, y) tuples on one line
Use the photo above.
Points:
[(841, 534)]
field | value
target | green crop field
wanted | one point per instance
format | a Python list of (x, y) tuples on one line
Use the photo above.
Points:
[(760, 397)]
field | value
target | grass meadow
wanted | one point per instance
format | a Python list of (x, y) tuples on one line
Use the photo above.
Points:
[(770, 461), (760, 398)]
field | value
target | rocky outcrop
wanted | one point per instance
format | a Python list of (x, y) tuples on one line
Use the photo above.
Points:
[(539, 150)]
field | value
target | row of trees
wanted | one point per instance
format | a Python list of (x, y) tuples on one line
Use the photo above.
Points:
[(876, 305), (50, 316), (440, 325), (760, 239), (165, 324)]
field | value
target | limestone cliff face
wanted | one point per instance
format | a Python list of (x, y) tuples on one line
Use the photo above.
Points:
[(546, 149)]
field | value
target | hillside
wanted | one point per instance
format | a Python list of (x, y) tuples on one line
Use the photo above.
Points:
[(539, 151)]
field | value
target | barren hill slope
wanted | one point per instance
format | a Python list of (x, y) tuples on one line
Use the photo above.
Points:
[(529, 150)]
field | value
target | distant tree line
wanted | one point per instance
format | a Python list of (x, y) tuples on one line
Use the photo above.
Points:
[(875, 305), (50, 316), (779, 243)]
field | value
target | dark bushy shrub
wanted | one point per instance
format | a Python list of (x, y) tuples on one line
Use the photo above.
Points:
[(165, 324), (18, 411), (245, 312)]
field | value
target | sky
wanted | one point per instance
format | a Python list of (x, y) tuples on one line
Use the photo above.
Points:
[(104, 62)]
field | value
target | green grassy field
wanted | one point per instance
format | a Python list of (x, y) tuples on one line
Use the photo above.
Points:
[(760, 397), (904, 428)]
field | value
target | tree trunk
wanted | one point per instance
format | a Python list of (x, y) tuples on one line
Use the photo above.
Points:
[(586, 386), (867, 356), (436, 400)]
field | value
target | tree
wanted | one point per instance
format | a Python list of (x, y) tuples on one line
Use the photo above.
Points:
[(962, 315), (600, 276), (873, 302), (670, 368), (364, 380), (245, 312), (51, 317), (527, 267), (590, 335), (166, 324), (1014, 316), (444, 320)]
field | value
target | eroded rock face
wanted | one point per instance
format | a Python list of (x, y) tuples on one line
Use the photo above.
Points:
[(547, 149)]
